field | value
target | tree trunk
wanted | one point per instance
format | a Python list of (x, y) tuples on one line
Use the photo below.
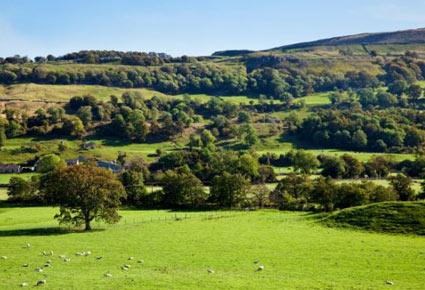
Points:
[(87, 221), (88, 226)]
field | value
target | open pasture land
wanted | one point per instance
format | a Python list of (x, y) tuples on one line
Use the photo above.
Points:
[(209, 250), (62, 93), (277, 146), (35, 93)]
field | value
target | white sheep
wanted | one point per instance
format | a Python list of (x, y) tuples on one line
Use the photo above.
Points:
[(130, 258), (108, 275), (25, 265), (41, 282), (211, 271), (4, 257), (39, 269), (260, 268), (24, 284)]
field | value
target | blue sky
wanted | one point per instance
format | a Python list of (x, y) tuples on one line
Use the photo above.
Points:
[(191, 27)]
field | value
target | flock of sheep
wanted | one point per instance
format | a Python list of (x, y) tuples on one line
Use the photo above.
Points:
[(65, 259)]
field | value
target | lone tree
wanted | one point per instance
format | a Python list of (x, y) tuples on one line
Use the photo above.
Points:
[(84, 193)]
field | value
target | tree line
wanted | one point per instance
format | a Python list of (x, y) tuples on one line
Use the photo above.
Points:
[(188, 75)]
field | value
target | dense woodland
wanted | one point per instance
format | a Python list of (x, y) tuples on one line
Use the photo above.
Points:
[(369, 112), (280, 78)]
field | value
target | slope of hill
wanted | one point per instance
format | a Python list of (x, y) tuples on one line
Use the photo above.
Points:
[(412, 36), (392, 217)]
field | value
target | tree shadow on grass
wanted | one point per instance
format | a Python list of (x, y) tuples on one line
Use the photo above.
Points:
[(43, 232)]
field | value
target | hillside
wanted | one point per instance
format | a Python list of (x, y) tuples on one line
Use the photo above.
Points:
[(190, 253), (392, 217), (384, 42), (412, 36)]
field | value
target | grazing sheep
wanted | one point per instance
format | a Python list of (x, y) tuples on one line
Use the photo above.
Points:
[(24, 284), (388, 282), (51, 253), (47, 265), (141, 262), (130, 258), (99, 257), (260, 268), (211, 271), (256, 261), (108, 275), (67, 260), (25, 265), (39, 269), (3, 257), (41, 282), (27, 246), (88, 253), (62, 256), (124, 268)]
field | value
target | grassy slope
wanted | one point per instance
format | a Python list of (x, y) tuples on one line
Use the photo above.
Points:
[(62, 93), (277, 146), (53, 93), (106, 149), (396, 217), (297, 253)]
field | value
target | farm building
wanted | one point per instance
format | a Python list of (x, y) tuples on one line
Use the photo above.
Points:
[(111, 165), (10, 168)]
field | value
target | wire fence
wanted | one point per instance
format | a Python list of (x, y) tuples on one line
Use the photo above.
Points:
[(175, 217)]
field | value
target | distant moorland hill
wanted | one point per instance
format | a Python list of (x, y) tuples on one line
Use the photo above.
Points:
[(403, 37)]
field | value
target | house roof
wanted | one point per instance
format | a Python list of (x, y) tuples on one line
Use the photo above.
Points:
[(10, 166), (114, 167)]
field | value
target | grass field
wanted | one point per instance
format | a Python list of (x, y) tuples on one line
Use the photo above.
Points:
[(54, 93), (106, 149), (396, 217), (317, 99), (417, 183), (3, 193), (4, 178), (62, 93), (278, 146), (296, 251)]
